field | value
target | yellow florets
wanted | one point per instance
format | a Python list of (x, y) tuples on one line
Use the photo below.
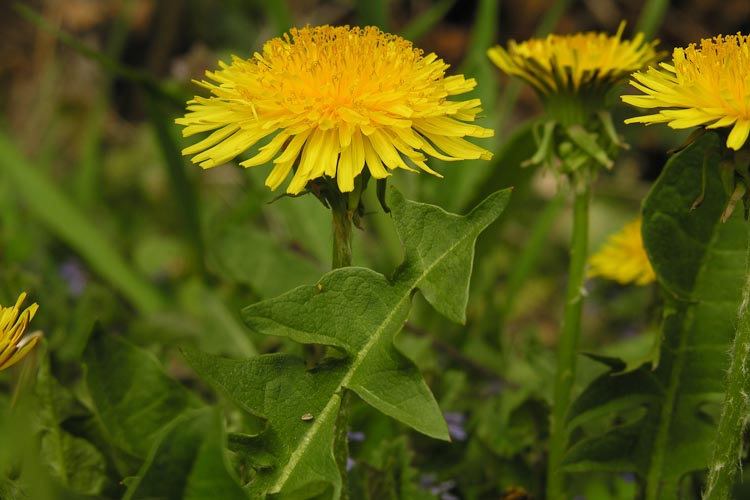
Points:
[(582, 62), (706, 85), (14, 345), (623, 258), (332, 100)]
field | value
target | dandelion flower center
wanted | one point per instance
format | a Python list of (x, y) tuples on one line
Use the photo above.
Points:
[(330, 101), (703, 86)]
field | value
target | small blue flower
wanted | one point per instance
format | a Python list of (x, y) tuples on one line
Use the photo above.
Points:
[(455, 421)]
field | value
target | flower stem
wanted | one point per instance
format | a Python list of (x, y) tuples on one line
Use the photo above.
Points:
[(342, 235), (342, 257), (568, 342), (727, 451)]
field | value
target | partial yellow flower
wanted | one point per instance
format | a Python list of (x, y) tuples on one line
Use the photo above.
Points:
[(623, 258), (14, 345), (704, 86), (330, 100), (580, 63)]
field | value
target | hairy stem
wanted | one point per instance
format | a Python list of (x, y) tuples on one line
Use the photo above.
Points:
[(342, 236), (725, 460), (568, 343)]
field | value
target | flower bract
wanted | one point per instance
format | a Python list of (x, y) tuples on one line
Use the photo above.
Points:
[(623, 258), (14, 345), (328, 101), (586, 63), (706, 85)]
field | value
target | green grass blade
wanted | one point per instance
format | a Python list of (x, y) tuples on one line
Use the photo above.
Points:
[(483, 34), (55, 210), (87, 175), (182, 188), (652, 17)]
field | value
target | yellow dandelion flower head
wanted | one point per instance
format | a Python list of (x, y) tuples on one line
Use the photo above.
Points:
[(330, 100), (623, 258), (703, 86), (578, 63), (14, 345)]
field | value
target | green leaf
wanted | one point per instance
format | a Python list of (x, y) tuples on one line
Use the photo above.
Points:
[(359, 312), (304, 223), (188, 463), (678, 239), (698, 261), (134, 399), (440, 249), (280, 388), (79, 465), (247, 255), (387, 473), (73, 461), (509, 423)]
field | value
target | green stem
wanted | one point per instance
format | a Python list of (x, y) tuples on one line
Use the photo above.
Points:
[(568, 343), (342, 257), (342, 235), (734, 414)]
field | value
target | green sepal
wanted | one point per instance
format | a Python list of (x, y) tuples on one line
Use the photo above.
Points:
[(588, 142), (543, 135)]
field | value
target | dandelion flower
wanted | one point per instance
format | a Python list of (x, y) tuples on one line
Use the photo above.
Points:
[(572, 75), (14, 345), (587, 64), (623, 258), (703, 86), (329, 101)]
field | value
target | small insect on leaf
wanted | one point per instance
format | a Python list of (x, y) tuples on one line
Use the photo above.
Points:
[(307, 417)]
